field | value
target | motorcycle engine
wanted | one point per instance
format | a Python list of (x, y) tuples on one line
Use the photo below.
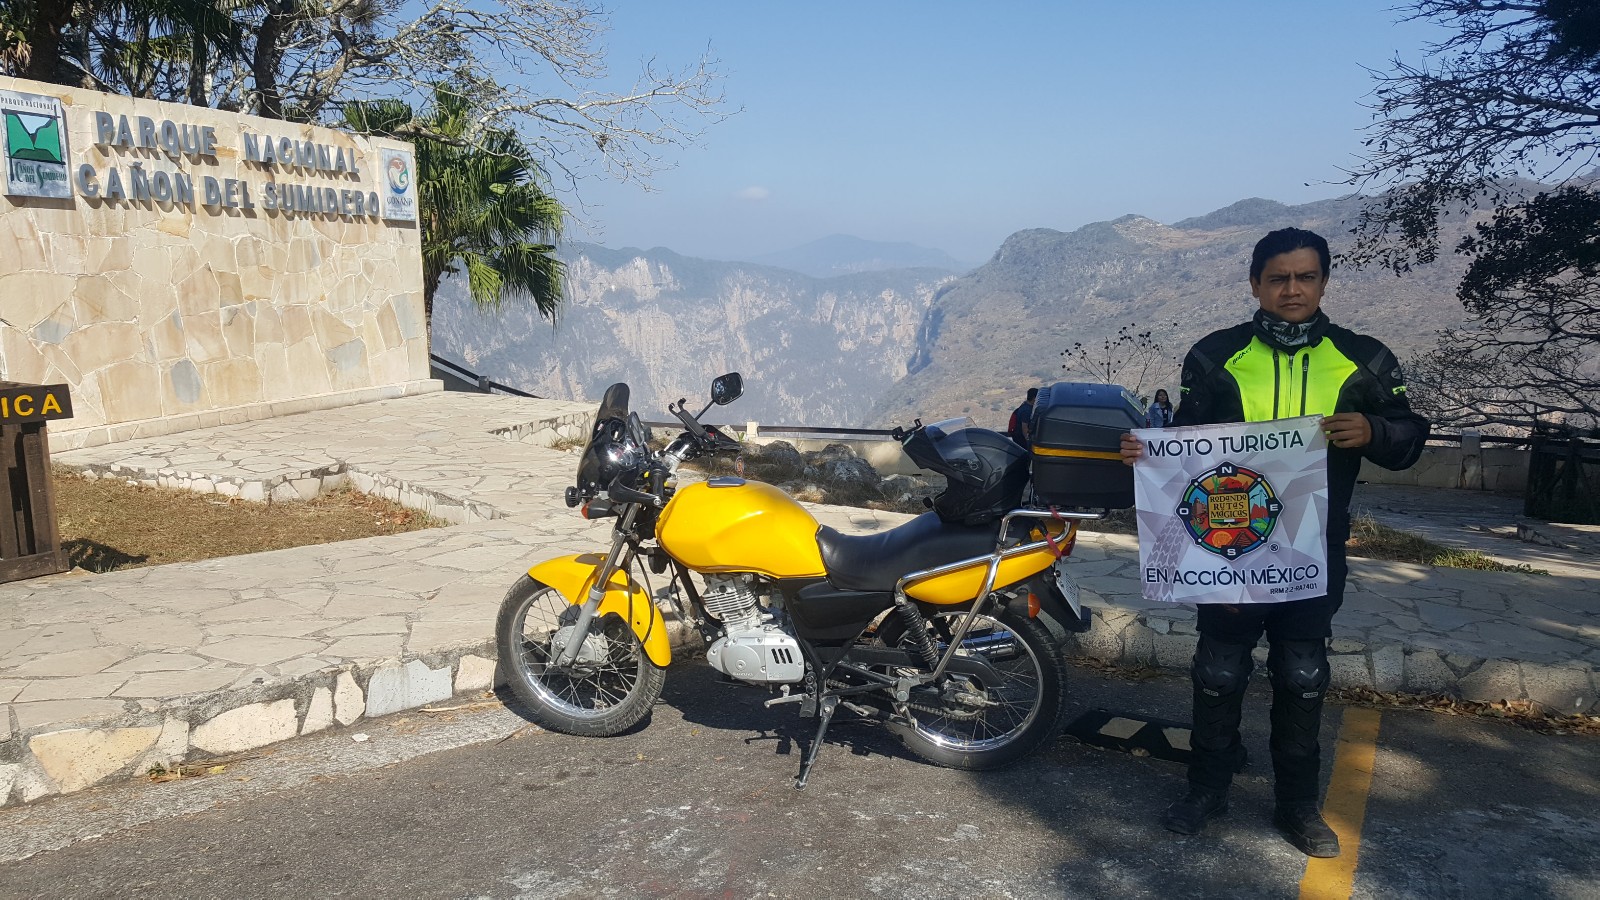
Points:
[(754, 646)]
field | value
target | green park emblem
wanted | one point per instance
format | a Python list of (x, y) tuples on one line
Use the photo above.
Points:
[(35, 145)]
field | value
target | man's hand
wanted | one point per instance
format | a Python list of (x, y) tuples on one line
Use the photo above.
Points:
[(1132, 449), (1350, 431)]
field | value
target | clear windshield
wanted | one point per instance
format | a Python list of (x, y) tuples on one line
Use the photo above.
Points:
[(939, 429), (614, 405), (615, 446)]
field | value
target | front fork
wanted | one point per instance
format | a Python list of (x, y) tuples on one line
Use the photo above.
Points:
[(597, 590)]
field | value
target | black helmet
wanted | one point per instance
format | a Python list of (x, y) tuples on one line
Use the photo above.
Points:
[(617, 447), (985, 470)]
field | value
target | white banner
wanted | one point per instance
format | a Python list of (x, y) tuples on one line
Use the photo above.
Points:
[(1233, 513)]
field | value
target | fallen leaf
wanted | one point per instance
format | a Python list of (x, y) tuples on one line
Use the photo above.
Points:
[(359, 738)]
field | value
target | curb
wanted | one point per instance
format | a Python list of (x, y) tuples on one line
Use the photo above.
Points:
[(1128, 638), (52, 760)]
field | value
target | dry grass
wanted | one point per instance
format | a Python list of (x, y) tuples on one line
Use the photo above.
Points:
[(1112, 521), (110, 524), (1375, 540), (1525, 713)]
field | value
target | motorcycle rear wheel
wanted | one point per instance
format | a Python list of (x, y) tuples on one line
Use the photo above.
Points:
[(1026, 710), (607, 689)]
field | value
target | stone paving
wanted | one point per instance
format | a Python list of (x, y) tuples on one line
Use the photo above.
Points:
[(1492, 524), (103, 676)]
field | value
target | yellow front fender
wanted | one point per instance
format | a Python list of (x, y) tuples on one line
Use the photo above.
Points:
[(572, 576)]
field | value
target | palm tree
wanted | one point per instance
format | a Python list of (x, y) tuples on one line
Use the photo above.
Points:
[(161, 49), (483, 207)]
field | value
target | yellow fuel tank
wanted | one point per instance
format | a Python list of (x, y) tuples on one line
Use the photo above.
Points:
[(740, 526)]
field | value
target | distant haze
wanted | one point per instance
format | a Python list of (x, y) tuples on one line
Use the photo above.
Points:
[(842, 254)]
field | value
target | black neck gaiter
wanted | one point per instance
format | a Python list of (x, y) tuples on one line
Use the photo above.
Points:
[(1289, 336)]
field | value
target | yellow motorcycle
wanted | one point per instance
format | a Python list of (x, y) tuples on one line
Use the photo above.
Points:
[(949, 628)]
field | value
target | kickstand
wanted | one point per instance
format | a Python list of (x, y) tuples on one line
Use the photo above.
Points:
[(829, 704)]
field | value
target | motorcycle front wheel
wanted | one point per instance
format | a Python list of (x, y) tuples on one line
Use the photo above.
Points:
[(607, 689), (968, 722)]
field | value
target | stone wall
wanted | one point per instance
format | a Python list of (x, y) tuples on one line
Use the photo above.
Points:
[(1501, 470), (166, 310)]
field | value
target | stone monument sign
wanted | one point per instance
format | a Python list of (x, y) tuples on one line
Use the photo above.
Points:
[(180, 267)]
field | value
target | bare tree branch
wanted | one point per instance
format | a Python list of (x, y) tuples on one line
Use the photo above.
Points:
[(1128, 359), (536, 65), (1502, 125)]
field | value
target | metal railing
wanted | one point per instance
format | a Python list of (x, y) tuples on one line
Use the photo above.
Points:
[(1455, 439), (487, 385), (484, 383), (817, 431)]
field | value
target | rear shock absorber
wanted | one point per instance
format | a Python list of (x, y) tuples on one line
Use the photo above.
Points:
[(917, 628)]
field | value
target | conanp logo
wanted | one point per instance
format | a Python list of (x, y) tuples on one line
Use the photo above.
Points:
[(1229, 510), (399, 175)]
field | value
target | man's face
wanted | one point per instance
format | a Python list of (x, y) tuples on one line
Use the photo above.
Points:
[(1291, 285)]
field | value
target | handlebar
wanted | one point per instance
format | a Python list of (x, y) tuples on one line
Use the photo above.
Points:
[(619, 492), (706, 438), (900, 434)]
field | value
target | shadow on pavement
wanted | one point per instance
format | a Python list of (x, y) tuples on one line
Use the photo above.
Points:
[(96, 557)]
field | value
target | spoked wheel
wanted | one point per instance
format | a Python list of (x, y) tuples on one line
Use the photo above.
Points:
[(982, 721), (608, 688)]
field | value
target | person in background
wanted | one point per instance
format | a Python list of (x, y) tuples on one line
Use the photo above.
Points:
[(1159, 413), (1287, 361), (1021, 427)]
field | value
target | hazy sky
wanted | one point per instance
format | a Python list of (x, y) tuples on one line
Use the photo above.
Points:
[(954, 124)]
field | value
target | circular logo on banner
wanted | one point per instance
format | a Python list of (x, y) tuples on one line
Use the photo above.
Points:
[(399, 175), (1229, 510)]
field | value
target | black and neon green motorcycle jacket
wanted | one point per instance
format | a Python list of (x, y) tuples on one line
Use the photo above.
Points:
[(1234, 375)]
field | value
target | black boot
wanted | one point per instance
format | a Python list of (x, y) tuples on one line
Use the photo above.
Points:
[(1302, 824), (1199, 806)]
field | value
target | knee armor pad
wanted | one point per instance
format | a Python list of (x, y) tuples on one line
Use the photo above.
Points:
[(1299, 668), (1221, 670)]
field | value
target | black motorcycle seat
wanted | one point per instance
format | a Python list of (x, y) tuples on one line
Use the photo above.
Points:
[(876, 562)]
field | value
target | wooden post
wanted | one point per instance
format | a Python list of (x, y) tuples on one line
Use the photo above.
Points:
[(30, 541)]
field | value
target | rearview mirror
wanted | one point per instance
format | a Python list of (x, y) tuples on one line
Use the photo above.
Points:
[(726, 388)]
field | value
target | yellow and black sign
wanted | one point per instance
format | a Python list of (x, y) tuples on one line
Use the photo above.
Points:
[(33, 402)]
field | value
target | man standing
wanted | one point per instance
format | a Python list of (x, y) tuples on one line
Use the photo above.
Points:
[(1289, 360), (1021, 427)]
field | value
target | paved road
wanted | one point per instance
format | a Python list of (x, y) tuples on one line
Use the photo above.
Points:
[(699, 804)]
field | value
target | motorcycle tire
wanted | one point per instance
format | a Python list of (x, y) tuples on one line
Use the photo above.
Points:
[(608, 689), (1026, 711)]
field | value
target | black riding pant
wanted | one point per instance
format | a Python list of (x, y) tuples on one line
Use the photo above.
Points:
[(1297, 633)]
